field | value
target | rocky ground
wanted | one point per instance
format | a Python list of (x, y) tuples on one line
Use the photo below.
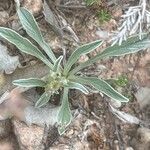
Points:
[(95, 125)]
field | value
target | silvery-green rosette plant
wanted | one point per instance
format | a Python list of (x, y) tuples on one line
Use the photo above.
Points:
[(65, 77)]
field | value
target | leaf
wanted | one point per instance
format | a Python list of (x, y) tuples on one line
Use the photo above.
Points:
[(31, 82), (23, 44), (64, 115), (102, 86), (84, 49), (30, 25), (7, 63), (77, 86), (57, 65), (43, 100), (132, 45)]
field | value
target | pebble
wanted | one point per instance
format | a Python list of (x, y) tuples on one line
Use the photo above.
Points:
[(129, 148)]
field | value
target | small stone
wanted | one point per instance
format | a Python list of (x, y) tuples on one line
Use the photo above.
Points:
[(129, 148), (110, 25), (70, 132), (35, 6), (102, 34), (83, 58), (115, 104), (117, 12), (131, 69), (15, 25), (4, 17), (116, 141)]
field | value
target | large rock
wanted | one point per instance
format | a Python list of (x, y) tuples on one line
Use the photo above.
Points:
[(35, 6), (29, 137)]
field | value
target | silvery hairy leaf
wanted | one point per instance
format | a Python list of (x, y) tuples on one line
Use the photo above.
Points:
[(102, 86), (23, 44), (57, 64), (82, 50), (30, 25), (64, 115), (77, 86), (131, 45), (31, 82), (43, 100)]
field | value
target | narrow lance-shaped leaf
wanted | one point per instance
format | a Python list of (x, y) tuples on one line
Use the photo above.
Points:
[(43, 100), (77, 86), (31, 82), (84, 49), (64, 115), (102, 86), (57, 65), (30, 25), (23, 44), (132, 45)]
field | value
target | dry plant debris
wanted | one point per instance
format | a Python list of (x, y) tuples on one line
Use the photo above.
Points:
[(135, 20)]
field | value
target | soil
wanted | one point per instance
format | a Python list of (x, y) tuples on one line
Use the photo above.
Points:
[(95, 126)]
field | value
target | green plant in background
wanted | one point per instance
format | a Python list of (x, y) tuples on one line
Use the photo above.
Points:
[(103, 15), (91, 2), (63, 78), (100, 9), (122, 84), (122, 81)]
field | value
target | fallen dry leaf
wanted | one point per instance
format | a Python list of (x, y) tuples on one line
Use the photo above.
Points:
[(125, 117)]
